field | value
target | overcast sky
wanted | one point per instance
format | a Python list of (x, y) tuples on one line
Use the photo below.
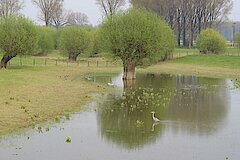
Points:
[(90, 8)]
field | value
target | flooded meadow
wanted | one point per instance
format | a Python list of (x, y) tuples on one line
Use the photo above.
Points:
[(199, 119)]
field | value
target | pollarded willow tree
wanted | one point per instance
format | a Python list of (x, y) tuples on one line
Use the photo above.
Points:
[(74, 41), (18, 36), (46, 40), (137, 37)]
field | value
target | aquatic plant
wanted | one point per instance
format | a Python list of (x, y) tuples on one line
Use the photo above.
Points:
[(39, 128), (68, 140), (47, 129), (57, 119), (139, 123), (68, 116)]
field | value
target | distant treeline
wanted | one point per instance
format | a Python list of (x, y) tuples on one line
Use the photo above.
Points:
[(188, 17)]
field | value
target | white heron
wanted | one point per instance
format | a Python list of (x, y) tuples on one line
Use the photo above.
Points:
[(111, 84), (155, 119), (88, 78)]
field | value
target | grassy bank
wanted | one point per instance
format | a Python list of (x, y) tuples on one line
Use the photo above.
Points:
[(223, 61), (181, 52), (202, 65), (30, 95)]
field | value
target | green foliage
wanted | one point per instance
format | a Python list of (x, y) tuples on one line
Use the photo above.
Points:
[(211, 41), (137, 37), (94, 47), (45, 40), (237, 39), (56, 37), (18, 35), (74, 40), (68, 140)]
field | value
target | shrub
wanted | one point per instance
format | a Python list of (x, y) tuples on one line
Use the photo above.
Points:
[(211, 41)]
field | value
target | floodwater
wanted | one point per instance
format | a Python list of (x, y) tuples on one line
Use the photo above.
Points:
[(200, 119)]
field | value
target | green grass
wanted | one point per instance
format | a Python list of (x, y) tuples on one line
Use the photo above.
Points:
[(223, 61), (35, 94), (181, 52), (185, 50), (232, 51)]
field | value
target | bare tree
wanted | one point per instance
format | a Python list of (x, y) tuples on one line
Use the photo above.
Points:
[(188, 17), (10, 7), (110, 7), (48, 8), (77, 18), (59, 16)]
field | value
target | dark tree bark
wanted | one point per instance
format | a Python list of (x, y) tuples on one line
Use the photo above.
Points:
[(5, 60), (73, 57), (184, 32), (179, 27), (129, 71)]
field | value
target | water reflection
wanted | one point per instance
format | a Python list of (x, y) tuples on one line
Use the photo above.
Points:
[(183, 103), (199, 120), (127, 119), (200, 102)]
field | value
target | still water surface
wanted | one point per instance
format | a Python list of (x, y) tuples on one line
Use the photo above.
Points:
[(200, 119)]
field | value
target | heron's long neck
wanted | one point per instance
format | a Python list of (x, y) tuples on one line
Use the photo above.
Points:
[(153, 115)]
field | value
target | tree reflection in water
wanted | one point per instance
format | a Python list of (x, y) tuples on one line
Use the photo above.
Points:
[(183, 103), (119, 116), (200, 103)]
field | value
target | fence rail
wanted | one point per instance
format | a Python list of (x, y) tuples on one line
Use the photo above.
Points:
[(27, 61), (36, 61)]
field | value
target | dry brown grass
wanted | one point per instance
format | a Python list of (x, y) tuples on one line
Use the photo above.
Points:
[(33, 95)]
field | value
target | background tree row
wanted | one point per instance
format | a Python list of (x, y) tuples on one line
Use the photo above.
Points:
[(188, 17)]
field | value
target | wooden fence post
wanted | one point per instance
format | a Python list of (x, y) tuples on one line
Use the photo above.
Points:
[(106, 63), (20, 61)]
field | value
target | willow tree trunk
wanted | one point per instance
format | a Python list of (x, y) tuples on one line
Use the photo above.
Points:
[(73, 57), (129, 72), (5, 60), (129, 84)]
